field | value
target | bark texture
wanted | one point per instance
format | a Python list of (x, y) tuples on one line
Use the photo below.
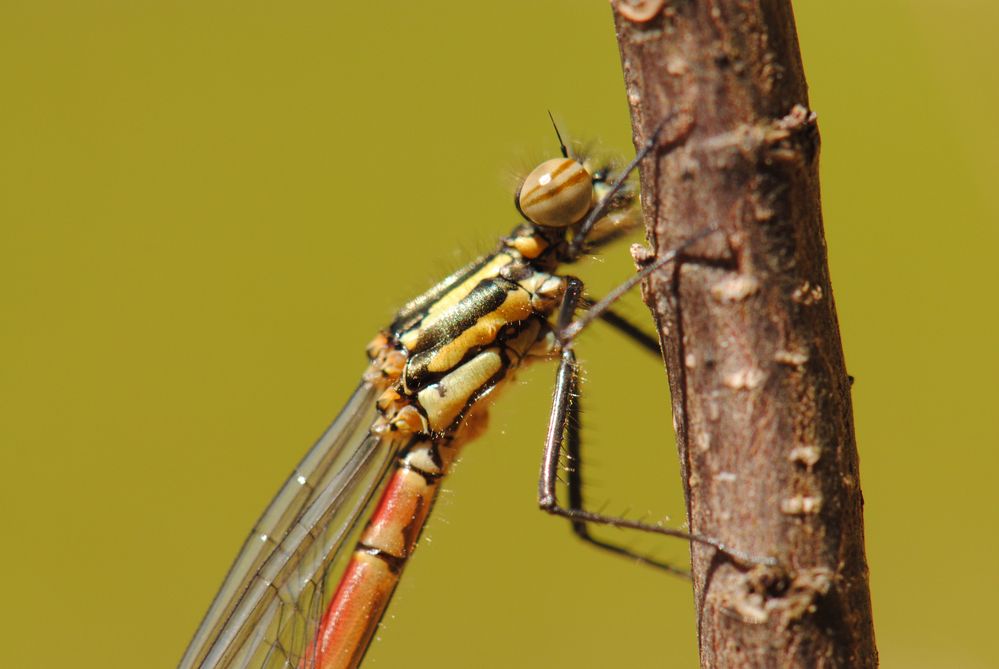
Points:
[(761, 398)]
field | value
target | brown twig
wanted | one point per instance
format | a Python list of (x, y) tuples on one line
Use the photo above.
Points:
[(761, 399)]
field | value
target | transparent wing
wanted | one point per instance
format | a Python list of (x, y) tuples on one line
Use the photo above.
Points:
[(269, 606)]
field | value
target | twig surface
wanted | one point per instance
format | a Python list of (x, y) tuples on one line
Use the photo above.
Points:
[(761, 398)]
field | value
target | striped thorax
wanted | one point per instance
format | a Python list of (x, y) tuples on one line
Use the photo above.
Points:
[(460, 347), (458, 341)]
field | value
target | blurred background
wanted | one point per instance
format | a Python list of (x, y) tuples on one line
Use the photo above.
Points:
[(208, 208)]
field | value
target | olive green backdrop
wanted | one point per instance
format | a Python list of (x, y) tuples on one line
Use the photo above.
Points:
[(207, 208)]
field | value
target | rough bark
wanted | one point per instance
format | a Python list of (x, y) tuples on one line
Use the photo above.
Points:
[(760, 394)]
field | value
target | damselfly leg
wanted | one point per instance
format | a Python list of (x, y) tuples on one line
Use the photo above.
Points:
[(563, 429), (574, 454)]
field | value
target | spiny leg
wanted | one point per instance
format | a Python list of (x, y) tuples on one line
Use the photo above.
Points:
[(565, 387), (574, 485), (564, 384), (573, 443)]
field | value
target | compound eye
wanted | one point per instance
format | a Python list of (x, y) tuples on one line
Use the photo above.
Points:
[(557, 193)]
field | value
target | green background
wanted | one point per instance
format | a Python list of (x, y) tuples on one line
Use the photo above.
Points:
[(207, 208)]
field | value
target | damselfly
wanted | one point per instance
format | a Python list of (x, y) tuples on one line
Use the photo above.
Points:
[(421, 399)]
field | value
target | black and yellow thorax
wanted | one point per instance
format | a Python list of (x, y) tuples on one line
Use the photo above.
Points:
[(461, 339)]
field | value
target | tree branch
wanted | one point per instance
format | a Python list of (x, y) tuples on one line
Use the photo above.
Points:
[(761, 399)]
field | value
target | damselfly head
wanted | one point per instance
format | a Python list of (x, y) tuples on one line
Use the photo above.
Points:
[(557, 193)]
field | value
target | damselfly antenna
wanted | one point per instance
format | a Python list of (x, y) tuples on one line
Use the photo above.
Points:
[(561, 144)]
